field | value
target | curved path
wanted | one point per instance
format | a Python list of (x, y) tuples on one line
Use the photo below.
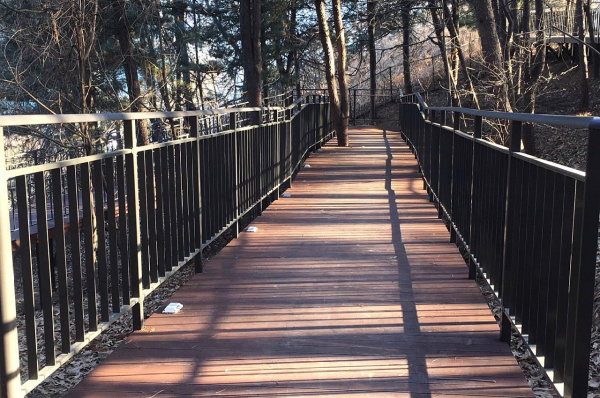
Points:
[(350, 287)]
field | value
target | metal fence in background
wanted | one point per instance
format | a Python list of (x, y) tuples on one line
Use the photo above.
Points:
[(136, 216), (365, 107), (365, 103), (528, 225)]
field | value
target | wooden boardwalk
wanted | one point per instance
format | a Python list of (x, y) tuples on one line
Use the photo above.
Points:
[(350, 287)]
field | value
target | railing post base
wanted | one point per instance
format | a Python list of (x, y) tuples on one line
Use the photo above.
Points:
[(199, 262), (235, 228), (138, 314), (472, 269), (505, 328)]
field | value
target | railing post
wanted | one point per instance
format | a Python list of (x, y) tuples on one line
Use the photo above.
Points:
[(354, 106), (430, 157), (476, 135), (391, 85), (10, 380), (422, 147), (236, 198), (135, 239), (509, 229), (288, 147), (257, 153), (194, 132), (275, 144), (456, 119), (440, 170), (581, 287)]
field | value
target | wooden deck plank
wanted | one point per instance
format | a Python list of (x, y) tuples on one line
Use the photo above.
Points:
[(349, 288)]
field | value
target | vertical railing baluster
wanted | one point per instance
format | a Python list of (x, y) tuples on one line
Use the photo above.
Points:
[(509, 229), (76, 253), (123, 234), (112, 233), (159, 219), (90, 254), (27, 276), (197, 186), (236, 196), (151, 216), (133, 211), (477, 133), (45, 275), (61, 260), (143, 204), (454, 178), (101, 239)]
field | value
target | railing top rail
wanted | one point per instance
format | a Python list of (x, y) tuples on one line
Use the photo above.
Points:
[(553, 120), (31, 120)]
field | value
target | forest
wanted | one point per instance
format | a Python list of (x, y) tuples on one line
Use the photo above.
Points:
[(95, 56)]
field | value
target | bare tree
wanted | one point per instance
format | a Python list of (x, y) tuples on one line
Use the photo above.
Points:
[(342, 61), (371, 16), (490, 48), (332, 82), (405, 10)]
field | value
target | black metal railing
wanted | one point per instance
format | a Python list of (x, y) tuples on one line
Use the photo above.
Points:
[(364, 106), (528, 225), (364, 103), (138, 214)]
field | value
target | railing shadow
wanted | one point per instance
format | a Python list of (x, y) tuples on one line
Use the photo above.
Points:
[(417, 366)]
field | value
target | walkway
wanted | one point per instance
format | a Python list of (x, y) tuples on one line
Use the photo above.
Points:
[(349, 288)]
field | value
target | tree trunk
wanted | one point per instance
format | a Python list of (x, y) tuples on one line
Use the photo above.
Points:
[(595, 59), (441, 42), (405, 11), (164, 83), (184, 93), (490, 47), (123, 31), (293, 45), (250, 25), (462, 62), (585, 95), (371, 4), (454, 44), (342, 55), (332, 83)]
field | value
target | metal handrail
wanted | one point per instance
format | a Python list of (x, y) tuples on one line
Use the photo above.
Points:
[(552, 120)]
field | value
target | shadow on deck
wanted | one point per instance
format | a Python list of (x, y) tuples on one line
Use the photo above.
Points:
[(350, 287)]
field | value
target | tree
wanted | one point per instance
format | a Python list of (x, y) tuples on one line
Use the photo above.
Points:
[(371, 17), (342, 55), (250, 15), (130, 66), (330, 74), (585, 94)]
